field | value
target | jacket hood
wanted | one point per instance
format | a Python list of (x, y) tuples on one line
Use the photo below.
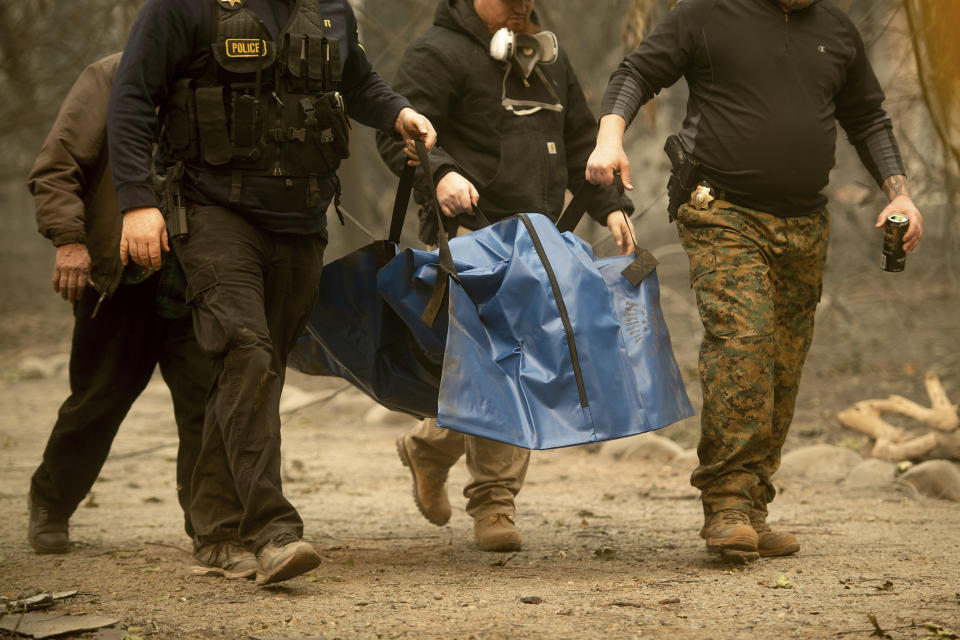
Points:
[(459, 15), (794, 5)]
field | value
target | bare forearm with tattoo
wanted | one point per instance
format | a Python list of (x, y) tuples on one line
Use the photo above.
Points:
[(895, 186), (900, 202)]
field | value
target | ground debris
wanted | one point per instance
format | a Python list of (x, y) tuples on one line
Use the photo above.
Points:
[(502, 562), (605, 553), (531, 599), (259, 637), (782, 583), (625, 603), (936, 631), (48, 625), (37, 602), (877, 629)]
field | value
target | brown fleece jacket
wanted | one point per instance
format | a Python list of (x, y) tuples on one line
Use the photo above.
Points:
[(71, 182)]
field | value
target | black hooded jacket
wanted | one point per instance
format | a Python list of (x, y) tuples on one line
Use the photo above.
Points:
[(517, 163)]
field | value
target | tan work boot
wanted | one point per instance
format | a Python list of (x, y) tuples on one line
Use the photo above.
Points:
[(227, 558), (497, 532), (285, 557), (773, 543), (429, 489), (729, 533)]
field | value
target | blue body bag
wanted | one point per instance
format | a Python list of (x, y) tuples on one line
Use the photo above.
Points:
[(545, 345)]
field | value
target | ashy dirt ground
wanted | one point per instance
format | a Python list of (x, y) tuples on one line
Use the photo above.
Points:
[(610, 548)]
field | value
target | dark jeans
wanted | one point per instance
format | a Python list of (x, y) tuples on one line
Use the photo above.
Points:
[(111, 361), (251, 292)]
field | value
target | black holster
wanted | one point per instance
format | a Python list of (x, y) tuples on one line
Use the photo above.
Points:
[(684, 175), (167, 188)]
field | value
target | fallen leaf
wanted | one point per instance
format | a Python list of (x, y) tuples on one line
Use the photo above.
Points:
[(782, 583), (605, 553)]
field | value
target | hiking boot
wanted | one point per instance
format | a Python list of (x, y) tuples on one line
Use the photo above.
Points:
[(47, 532), (729, 531), (773, 543), (497, 532), (429, 488), (285, 557), (227, 558)]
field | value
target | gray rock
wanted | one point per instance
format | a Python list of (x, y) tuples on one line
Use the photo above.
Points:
[(383, 416), (34, 368), (646, 448), (684, 463), (818, 463), (935, 478), (870, 473), (294, 398), (350, 401)]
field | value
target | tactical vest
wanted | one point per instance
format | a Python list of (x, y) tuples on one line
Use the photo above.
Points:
[(259, 107)]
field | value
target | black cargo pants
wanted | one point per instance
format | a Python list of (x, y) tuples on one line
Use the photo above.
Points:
[(251, 292), (111, 360)]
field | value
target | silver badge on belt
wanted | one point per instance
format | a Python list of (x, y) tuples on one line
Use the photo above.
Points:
[(701, 197)]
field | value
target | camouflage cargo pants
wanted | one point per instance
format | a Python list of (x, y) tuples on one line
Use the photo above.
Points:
[(757, 280)]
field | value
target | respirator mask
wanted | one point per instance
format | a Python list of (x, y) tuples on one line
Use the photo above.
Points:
[(526, 51)]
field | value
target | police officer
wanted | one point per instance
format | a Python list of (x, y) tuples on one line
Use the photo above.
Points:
[(253, 97), (126, 320), (515, 132), (767, 80)]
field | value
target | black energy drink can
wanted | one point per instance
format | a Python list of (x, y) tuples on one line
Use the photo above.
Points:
[(893, 258)]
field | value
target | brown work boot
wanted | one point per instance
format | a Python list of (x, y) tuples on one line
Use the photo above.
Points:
[(285, 557), (497, 532), (429, 488), (46, 531), (773, 543), (729, 533), (227, 558)]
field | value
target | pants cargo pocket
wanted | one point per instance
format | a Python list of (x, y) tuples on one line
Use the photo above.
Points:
[(201, 283)]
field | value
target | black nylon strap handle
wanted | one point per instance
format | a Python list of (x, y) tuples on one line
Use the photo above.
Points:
[(644, 261), (478, 216), (445, 268), (581, 202), (400, 201)]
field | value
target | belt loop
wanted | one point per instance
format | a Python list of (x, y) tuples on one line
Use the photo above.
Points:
[(236, 186), (313, 191)]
